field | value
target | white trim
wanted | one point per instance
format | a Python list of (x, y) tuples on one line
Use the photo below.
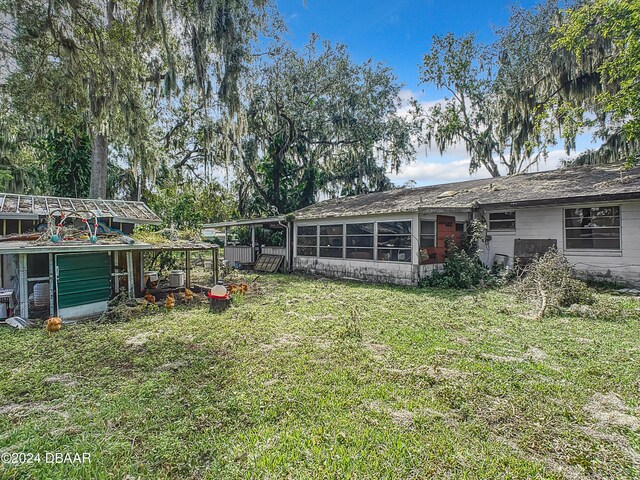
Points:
[(86, 310)]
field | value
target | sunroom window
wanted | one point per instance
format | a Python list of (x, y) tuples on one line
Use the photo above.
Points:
[(394, 241), (360, 241), (307, 241), (427, 234), (331, 241), (595, 228)]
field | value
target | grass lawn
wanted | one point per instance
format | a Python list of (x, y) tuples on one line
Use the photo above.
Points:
[(323, 379)]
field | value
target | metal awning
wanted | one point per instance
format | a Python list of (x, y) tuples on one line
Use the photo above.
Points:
[(246, 222), (33, 207)]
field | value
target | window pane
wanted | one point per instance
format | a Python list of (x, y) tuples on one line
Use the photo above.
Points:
[(331, 241), (460, 227), (587, 243), (427, 228), (502, 216), (394, 227), (593, 222), (331, 252), (427, 241), (360, 229), (360, 241), (360, 253), (394, 241), (330, 229), (393, 255), (307, 241), (307, 251), (502, 225), (593, 233), (307, 230)]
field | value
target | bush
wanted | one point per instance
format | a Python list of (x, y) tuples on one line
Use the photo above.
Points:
[(549, 282), (462, 270)]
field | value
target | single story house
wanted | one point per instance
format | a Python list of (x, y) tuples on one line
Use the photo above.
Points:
[(591, 214), (74, 277)]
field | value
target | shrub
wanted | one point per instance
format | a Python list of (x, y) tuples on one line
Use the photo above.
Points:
[(549, 282), (462, 270)]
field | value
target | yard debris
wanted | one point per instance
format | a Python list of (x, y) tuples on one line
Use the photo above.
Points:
[(18, 322)]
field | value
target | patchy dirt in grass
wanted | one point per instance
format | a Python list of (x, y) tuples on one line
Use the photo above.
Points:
[(378, 350), (436, 373), (532, 354), (64, 379), (402, 418), (567, 471), (172, 366), (536, 354), (618, 440), (502, 358), (139, 340), (285, 340), (21, 410), (608, 410)]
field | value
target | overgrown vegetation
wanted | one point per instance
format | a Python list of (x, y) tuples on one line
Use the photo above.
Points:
[(290, 383), (461, 270)]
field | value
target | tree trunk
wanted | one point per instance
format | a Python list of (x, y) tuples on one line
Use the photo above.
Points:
[(99, 164)]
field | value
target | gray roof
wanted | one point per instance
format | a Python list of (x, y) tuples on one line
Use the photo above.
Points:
[(562, 186), (32, 207)]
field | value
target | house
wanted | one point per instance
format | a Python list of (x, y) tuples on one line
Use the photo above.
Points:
[(591, 214), (45, 272)]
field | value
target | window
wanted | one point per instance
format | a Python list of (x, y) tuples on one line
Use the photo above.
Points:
[(307, 238), (427, 234), (592, 228), (360, 241), (394, 241), (331, 241), (502, 221)]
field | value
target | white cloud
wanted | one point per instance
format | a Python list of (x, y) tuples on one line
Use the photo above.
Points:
[(425, 172)]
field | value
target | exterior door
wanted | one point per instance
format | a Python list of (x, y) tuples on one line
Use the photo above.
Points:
[(83, 284), (445, 229)]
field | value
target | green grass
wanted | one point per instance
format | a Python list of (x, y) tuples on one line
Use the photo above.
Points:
[(322, 379)]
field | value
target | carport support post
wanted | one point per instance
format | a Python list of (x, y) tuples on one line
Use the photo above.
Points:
[(24, 286), (51, 285), (130, 286), (214, 265), (253, 243), (187, 265)]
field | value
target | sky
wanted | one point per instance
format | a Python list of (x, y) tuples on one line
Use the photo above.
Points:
[(397, 33)]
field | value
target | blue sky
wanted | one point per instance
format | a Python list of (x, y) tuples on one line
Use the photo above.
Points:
[(398, 33)]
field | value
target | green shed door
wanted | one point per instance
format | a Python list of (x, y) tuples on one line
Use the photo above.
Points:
[(83, 283)]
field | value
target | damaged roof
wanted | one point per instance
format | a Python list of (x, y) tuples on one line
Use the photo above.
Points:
[(32, 207), (561, 186)]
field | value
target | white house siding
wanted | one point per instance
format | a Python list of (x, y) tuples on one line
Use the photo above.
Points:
[(548, 223)]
